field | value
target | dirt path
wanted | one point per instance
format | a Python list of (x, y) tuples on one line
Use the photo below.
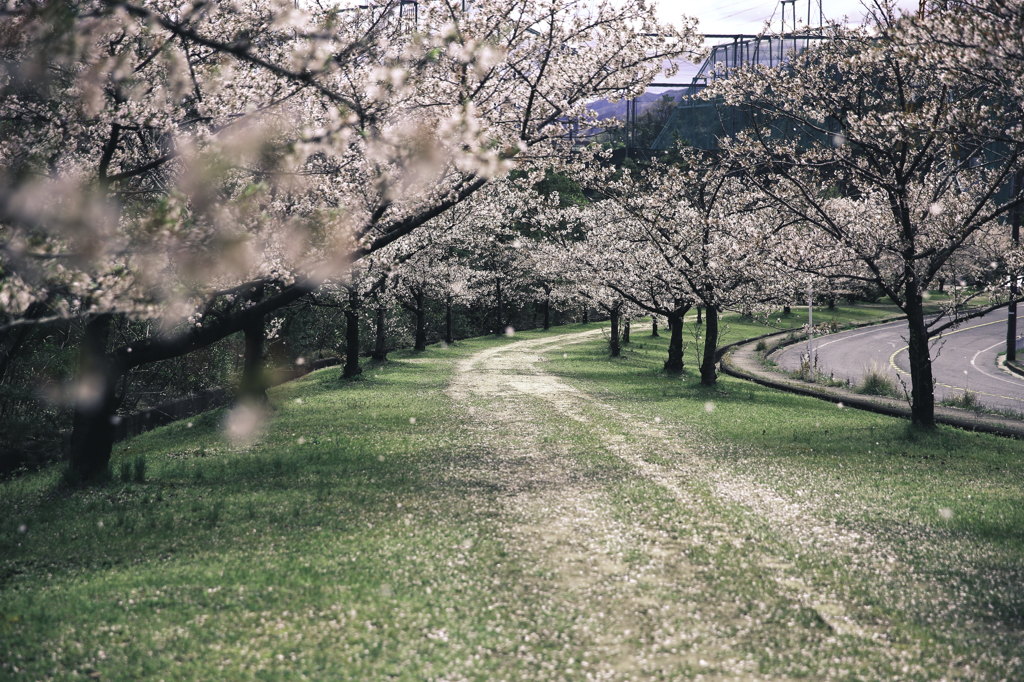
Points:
[(650, 607)]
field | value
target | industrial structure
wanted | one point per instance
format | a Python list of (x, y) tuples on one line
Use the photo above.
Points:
[(700, 123)]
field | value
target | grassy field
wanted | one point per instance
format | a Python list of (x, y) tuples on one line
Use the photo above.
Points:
[(608, 522), (946, 507)]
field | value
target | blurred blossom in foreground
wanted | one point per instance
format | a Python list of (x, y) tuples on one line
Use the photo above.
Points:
[(244, 423)]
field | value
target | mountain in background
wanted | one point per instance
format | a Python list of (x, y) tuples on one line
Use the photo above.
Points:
[(606, 109)]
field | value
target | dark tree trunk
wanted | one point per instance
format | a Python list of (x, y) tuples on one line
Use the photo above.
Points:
[(449, 323), (708, 375), (499, 313), (700, 314), (787, 310), (922, 390), (674, 364), (942, 284), (614, 349), (1011, 315), (352, 368), (421, 322), (92, 434), (380, 336), (586, 314), (547, 313), (831, 300), (254, 384), (625, 332), (654, 325)]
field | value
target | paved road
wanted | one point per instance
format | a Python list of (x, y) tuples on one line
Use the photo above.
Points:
[(963, 359)]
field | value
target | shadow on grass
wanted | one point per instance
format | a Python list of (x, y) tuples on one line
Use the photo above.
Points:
[(357, 444)]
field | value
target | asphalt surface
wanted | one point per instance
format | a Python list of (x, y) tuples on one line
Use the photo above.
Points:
[(963, 359)]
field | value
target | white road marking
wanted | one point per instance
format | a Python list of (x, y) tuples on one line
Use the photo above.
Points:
[(1013, 379)]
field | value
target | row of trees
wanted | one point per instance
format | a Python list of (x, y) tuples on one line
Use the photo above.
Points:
[(896, 161), (890, 157), (202, 166), (171, 176)]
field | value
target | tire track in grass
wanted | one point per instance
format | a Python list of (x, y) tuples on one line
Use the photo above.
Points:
[(887, 570), (564, 520), (736, 489)]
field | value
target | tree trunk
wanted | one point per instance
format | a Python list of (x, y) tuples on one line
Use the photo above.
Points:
[(708, 375), (1011, 314), (787, 310), (586, 314), (421, 322), (499, 314), (614, 349), (922, 390), (674, 364), (254, 386), (449, 323), (547, 313), (92, 434), (654, 325), (700, 315), (625, 332), (380, 338), (352, 368)]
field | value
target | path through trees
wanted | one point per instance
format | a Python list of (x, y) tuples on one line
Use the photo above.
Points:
[(642, 539)]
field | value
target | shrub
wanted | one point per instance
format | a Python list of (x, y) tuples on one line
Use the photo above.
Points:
[(877, 382), (967, 401)]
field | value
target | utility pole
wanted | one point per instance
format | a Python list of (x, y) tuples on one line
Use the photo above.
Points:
[(810, 325)]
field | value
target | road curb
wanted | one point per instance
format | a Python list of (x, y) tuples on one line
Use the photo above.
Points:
[(741, 360)]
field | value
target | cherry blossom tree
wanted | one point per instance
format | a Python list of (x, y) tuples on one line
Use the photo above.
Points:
[(868, 143), (688, 233), (597, 261), (982, 43), (190, 156)]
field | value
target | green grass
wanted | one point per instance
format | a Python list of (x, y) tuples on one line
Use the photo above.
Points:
[(808, 434), (336, 546), (349, 542), (734, 327), (948, 506)]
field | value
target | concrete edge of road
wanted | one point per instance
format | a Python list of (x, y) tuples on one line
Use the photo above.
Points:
[(1014, 367), (742, 360)]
